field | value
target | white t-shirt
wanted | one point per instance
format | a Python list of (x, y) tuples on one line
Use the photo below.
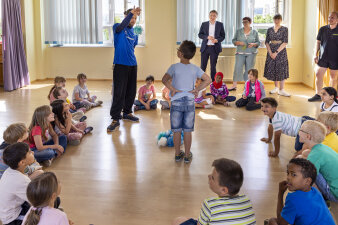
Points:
[(211, 32), (289, 124), (13, 185), (50, 216), (82, 92), (332, 108)]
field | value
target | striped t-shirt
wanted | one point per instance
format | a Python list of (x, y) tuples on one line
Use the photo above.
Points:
[(227, 210), (289, 124), (332, 108)]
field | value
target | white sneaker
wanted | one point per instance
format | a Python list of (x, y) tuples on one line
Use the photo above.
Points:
[(284, 93), (274, 91), (208, 106)]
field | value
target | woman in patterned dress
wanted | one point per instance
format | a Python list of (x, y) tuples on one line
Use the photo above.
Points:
[(276, 64)]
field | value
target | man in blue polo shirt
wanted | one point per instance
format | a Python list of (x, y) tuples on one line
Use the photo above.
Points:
[(125, 69), (327, 46)]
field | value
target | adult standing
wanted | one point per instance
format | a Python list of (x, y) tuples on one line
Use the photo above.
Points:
[(327, 47), (247, 41), (212, 33), (125, 69), (276, 64)]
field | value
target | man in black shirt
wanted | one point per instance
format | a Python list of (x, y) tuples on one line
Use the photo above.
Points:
[(327, 46)]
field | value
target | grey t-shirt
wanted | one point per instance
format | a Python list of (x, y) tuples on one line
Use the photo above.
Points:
[(183, 79), (82, 92)]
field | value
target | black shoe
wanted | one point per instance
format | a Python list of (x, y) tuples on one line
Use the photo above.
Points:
[(83, 118), (315, 98), (130, 117), (88, 130), (232, 89), (153, 106), (113, 126)]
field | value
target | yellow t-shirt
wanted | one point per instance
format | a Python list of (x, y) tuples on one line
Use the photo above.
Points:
[(331, 140)]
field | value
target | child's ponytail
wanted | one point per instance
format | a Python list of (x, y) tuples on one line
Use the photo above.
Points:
[(33, 217)]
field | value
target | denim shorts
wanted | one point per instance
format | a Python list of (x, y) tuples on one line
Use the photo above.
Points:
[(182, 114)]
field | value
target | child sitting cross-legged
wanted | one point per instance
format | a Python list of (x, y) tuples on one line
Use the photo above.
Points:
[(220, 91), (202, 100), (146, 96), (17, 132), (13, 183), (304, 204), (81, 95), (253, 92), (42, 193), (63, 123), (61, 93), (228, 207), (58, 82), (312, 133)]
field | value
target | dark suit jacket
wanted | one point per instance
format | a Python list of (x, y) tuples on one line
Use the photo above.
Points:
[(219, 35)]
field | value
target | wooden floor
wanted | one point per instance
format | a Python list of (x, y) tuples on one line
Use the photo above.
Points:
[(125, 178)]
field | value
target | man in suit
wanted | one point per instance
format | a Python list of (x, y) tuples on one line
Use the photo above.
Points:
[(212, 33)]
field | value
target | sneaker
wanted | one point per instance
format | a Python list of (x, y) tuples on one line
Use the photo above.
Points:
[(46, 163), (83, 118), (188, 159), (232, 89), (284, 93), (179, 157), (208, 106), (98, 103), (88, 130), (153, 106), (274, 91), (315, 98), (130, 117), (113, 126), (165, 104)]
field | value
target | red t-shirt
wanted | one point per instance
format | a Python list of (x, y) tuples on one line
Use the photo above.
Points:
[(36, 130)]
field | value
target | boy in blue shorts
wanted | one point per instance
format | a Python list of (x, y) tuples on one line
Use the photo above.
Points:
[(180, 80), (228, 207), (305, 205)]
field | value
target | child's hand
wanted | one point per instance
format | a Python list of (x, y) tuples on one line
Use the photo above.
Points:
[(72, 107), (194, 92), (174, 91), (71, 222), (147, 105), (266, 140), (60, 149), (283, 186)]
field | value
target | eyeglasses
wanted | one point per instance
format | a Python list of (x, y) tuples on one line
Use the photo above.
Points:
[(304, 132)]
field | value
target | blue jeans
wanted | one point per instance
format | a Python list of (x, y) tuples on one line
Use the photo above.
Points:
[(298, 145), (189, 222), (49, 153), (182, 114), (324, 188), (141, 106), (246, 61)]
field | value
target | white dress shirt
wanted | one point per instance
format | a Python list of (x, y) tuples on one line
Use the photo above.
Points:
[(211, 32)]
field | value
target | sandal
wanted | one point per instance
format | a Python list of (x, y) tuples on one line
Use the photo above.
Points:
[(88, 130)]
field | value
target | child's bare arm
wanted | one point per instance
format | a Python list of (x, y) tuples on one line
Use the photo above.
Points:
[(77, 97), (280, 203), (166, 80), (270, 133), (276, 142), (206, 80), (39, 144)]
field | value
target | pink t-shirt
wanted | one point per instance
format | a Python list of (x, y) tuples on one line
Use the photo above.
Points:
[(37, 131), (166, 92), (145, 93), (50, 216)]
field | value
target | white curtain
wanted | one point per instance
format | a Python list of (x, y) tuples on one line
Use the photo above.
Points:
[(191, 14), (73, 21)]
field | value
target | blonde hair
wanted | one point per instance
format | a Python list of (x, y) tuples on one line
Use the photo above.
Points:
[(329, 119), (14, 132), (316, 129), (40, 119)]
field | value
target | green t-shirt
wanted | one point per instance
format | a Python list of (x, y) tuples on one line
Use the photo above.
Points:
[(326, 162)]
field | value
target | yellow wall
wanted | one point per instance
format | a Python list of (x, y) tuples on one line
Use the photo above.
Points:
[(160, 49)]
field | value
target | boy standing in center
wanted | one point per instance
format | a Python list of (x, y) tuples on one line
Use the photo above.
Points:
[(180, 80)]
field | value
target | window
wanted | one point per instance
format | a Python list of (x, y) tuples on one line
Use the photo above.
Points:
[(230, 13)]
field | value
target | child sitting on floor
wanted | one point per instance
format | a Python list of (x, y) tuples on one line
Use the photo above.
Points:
[(146, 96), (42, 193), (17, 132), (166, 102), (329, 100), (43, 140), (312, 133), (281, 123), (253, 92), (202, 100), (304, 204), (63, 123), (220, 91), (81, 95), (58, 82), (228, 207), (13, 183), (77, 114)]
